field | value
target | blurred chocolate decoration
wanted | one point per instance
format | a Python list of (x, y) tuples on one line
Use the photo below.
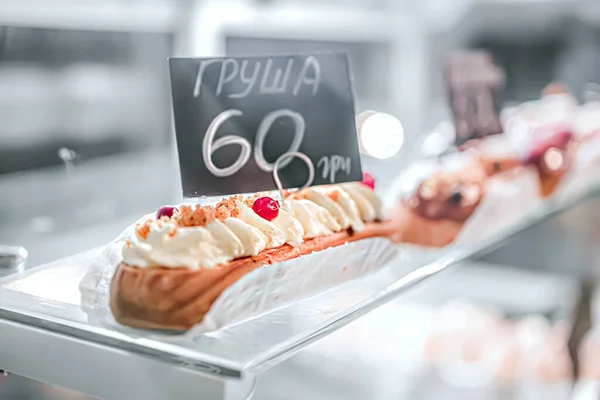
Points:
[(474, 85)]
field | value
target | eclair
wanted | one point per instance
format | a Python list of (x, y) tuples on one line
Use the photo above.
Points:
[(548, 149), (436, 211), (496, 154), (176, 266)]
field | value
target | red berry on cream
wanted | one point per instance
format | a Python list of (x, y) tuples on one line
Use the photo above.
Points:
[(166, 211), (266, 208), (368, 180)]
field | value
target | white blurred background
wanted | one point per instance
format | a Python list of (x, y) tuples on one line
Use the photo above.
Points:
[(91, 76)]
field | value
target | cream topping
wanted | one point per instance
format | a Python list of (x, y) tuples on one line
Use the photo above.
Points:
[(327, 203), (294, 232), (275, 236), (367, 209), (253, 240), (315, 212), (230, 242), (193, 247), (350, 208), (315, 220), (371, 198)]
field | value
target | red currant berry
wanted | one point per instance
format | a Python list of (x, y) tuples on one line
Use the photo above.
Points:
[(266, 207), (166, 211), (368, 180)]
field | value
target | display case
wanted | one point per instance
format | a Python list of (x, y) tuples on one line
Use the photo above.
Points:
[(40, 313), (82, 87), (373, 337)]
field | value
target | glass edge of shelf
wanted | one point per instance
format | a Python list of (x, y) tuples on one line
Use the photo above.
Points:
[(97, 336), (548, 209)]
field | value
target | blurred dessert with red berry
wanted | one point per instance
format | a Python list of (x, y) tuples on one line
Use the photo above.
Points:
[(538, 135), (434, 213), (496, 154), (550, 152)]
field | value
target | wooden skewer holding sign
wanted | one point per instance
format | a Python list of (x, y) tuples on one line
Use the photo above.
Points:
[(279, 164)]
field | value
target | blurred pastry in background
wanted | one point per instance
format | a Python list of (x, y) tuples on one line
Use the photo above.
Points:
[(461, 199), (528, 355), (539, 134), (436, 211), (462, 333), (544, 355), (544, 369), (496, 154), (583, 150), (549, 149)]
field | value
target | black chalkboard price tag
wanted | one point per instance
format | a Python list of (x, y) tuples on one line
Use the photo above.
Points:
[(475, 88), (235, 116)]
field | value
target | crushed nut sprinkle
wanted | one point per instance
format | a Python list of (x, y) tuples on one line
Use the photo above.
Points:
[(228, 208), (195, 216), (143, 230), (250, 200), (333, 194)]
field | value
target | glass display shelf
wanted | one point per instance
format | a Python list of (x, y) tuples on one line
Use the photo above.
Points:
[(48, 337)]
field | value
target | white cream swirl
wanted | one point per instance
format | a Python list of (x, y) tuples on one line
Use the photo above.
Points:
[(275, 236), (231, 242), (350, 208), (253, 240), (328, 204), (169, 246), (311, 213), (315, 220), (293, 229)]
